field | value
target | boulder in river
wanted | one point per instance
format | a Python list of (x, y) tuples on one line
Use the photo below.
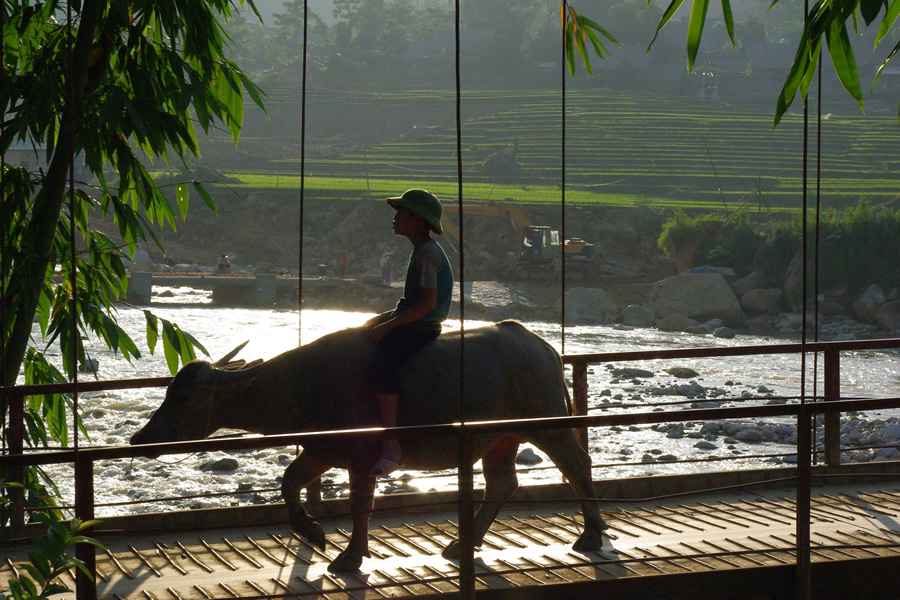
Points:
[(589, 305), (888, 316), (700, 296), (868, 303)]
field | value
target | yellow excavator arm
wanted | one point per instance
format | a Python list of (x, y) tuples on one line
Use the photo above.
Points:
[(518, 220)]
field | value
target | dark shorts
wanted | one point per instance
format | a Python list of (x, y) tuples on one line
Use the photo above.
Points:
[(395, 349)]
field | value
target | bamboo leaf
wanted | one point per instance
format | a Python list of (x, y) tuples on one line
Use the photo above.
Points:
[(887, 60), (794, 79), (592, 27), (674, 5), (870, 9), (843, 60), (599, 49), (810, 71), (255, 92), (171, 346), (695, 30), (578, 30), (127, 345), (28, 585), (888, 20), (204, 195), (181, 198), (582, 51), (728, 17), (883, 65), (195, 343), (43, 310), (152, 334), (187, 350)]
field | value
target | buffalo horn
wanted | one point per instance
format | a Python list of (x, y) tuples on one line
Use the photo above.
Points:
[(211, 375), (224, 360)]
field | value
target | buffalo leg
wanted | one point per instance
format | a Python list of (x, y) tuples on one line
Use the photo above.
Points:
[(499, 467), (298, 475), (575, 463), (362, 500)]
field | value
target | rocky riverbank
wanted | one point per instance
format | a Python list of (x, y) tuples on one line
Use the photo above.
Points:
[(620, 306), (629, 283)]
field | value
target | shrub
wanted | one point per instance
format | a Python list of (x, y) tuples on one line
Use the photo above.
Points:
[(780, 247), (857, 247), (860, 247), (41, 576), (712, 239)]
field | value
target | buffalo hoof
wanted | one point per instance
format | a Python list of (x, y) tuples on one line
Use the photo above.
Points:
[(309, 531), (452, 551), (346, 562), (588, 542)]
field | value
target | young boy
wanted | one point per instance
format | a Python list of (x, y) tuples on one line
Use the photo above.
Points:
[(416, 320)]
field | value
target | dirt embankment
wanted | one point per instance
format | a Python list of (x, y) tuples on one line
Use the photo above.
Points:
[(264, 232)]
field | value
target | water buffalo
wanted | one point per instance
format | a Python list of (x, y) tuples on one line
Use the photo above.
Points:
[(511, 373)]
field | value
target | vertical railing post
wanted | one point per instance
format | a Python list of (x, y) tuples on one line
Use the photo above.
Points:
[(579, 398), (832, 419), (16, 473), (85, 586), (804, 496)]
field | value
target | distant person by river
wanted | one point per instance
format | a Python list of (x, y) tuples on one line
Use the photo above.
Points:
[(386, 263), (223, 266)]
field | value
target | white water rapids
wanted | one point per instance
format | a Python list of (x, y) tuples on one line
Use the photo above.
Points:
[(112, 417)]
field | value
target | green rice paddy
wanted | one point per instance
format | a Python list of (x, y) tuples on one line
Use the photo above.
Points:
[(622, 149)]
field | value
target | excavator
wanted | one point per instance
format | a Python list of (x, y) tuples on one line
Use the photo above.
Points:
[(539, 245)]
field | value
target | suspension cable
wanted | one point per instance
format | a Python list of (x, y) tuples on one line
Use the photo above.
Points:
[(465, 483), (816, 232), (302, 176), (4, 221), (73, 279), (459, 195), (562, 229), (805, 423), (3, 224)]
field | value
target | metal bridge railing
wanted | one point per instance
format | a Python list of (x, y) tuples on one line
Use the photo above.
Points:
[(83, 459)]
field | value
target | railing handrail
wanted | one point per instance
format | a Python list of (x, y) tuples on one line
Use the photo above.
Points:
[(744, 350), (584, 358), (102, 385), (249, 442)]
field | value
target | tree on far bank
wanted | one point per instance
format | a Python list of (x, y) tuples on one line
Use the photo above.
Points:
[(112, 85), (828, 25)]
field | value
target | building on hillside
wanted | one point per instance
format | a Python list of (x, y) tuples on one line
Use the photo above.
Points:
[(33, 157)]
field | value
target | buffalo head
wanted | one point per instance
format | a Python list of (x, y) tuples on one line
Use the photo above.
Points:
[(196, 404)]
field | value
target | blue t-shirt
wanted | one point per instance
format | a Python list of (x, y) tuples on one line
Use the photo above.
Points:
[(428, 268)]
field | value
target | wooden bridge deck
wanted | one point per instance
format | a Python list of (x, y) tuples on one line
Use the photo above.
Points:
[(700, 545)]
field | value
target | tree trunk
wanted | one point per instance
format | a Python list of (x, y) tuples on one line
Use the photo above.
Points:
[(48, 204)]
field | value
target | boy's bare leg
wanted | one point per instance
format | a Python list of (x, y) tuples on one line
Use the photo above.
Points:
[(390, 450)]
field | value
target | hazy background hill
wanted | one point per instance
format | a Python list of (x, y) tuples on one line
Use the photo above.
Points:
[(642, 133)]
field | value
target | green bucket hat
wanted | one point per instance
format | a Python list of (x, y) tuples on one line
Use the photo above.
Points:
[(422, 203)]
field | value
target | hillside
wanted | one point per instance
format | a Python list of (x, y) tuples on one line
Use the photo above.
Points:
[(622, 148)]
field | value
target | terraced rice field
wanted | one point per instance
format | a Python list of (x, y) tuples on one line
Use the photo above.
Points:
[(622, 148)]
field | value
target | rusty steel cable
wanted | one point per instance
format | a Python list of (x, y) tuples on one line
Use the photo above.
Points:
[(3, 225), (73, 275), (302, 178), (562, 169)]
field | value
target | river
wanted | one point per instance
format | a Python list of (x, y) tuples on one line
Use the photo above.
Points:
[(112, 417)]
